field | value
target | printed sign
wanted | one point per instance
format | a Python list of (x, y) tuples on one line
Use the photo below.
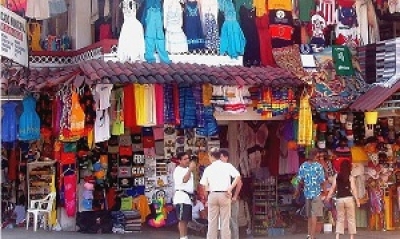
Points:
[(13, 40)]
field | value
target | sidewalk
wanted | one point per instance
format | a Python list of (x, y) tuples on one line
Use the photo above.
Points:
[(21, 233)]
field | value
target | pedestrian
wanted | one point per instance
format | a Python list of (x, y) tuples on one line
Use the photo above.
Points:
[(184, 188), (311, 173), (346, 192), (217, 182), (235, 201)]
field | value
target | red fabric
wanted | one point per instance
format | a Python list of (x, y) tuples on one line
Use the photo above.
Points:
[(271, 157), (105, 31), (281, 32), (110, 197), (176, 105), (337, 162), (125, 150), (68, 158), (70, 194), (12, 165), (159, 91), (17, 6), (129, 106), (262, 24)]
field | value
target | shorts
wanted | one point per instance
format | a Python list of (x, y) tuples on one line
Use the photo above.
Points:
[(314, 207), (183, 212)]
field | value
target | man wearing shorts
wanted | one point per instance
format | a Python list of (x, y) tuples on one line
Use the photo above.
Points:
[(184, 187), (312, 174)]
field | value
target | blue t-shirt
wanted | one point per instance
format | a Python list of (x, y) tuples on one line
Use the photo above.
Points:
[(313, 175)]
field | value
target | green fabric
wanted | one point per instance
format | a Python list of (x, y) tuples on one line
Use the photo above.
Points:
[(342, 59), (70, 147), (126, 203), (305, 9)]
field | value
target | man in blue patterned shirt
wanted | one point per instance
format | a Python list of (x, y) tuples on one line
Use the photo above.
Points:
[(311, 173)]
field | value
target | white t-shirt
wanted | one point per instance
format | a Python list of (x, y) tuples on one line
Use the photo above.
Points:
[(180, 196), (196, 209), (217, 176)]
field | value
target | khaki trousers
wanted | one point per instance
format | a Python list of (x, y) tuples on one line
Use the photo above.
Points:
[(219, 206), (346, 208), (234, 219)]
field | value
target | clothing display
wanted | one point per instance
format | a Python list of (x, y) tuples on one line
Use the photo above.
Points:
[(131, 34), (175, 39), (9, 122), (192, 26), (29, 121)]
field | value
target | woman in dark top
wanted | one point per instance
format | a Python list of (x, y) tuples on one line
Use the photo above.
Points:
[(346, 192)]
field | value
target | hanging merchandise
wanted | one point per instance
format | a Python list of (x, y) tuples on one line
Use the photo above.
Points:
[(131, 34), (118, 124), (210, 123), (29, 121), (342, 58), (251, 55), (328, 9), (129, 103), (77, 117), (305, 131), (9, 122), (34, 33), (154, 33), (38, 9), (318, 25), (281, 28), (232, 40), (192, 26), (175, 39), (57, 7)]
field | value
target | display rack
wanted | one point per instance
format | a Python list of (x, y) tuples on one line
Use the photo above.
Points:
[(41, 176), (264, 204)]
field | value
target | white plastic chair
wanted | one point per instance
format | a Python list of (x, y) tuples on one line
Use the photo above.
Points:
[(40, 207)]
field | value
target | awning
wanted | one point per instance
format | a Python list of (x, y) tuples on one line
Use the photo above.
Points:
[(99, 71), (374, 97)]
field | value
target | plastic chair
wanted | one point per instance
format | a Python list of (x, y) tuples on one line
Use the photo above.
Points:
[(40, 207)]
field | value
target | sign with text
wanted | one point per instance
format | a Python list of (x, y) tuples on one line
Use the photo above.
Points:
[(13, 40)]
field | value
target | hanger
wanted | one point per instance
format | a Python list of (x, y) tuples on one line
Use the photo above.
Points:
[(69, 169)]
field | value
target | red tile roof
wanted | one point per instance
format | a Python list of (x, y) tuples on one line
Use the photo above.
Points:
[(374, 97), (117, 73), (120, 73)]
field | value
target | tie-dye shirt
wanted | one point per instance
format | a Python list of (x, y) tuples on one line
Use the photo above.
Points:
[(313, 175)]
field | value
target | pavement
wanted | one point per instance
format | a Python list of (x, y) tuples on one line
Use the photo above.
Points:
[(171, 233)]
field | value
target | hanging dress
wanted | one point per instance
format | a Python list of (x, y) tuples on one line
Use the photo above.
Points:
[(232, 37), (251, 55), (175, 39), (192, 26), (305, 121), (29, 122), (132, 34), (9, 122)]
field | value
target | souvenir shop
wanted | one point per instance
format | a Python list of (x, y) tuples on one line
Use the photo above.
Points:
[(103, 141)]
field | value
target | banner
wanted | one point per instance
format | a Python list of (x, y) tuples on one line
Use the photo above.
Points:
[(13, 39)]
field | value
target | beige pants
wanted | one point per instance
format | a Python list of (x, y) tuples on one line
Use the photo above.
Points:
[(345, 208), (219, 206)]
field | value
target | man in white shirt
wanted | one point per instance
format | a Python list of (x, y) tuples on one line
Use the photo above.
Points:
[(184, 187), (217, 182)]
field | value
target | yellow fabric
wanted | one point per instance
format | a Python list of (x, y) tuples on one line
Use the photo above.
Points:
[(141, 204), (280, 5), (140, 104), (207, 94), (305, 132), (53, 215), (90, 138), (34, 35), (358, 154), (260, 7)]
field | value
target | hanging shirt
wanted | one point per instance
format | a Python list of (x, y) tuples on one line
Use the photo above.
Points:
[(77, 117), (102, 126), (102, 96)]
